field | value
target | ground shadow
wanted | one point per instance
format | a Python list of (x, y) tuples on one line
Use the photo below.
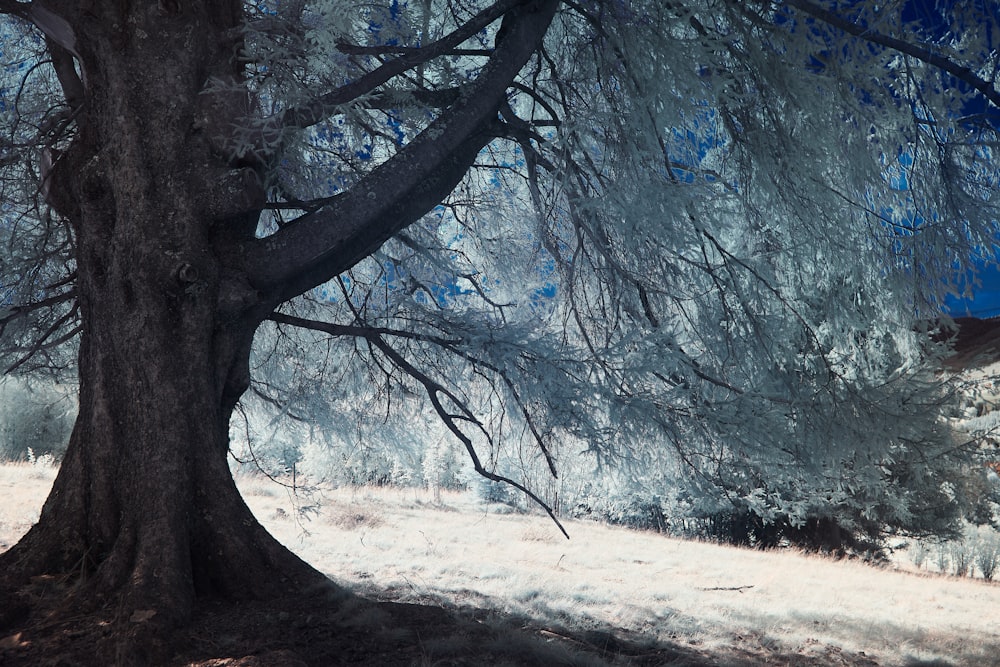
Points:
[(339, 628)]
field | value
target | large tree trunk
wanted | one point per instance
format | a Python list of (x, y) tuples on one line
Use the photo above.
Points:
[(144, 513), (164, 201)]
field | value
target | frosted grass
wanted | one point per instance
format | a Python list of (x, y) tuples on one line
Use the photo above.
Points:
[(398, 544), (699, 594)]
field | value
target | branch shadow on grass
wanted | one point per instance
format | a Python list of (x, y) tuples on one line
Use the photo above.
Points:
[(346, 629), (475, 633), (336, 627)]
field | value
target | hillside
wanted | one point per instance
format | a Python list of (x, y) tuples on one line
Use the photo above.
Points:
[(517, 593), (454, 583)]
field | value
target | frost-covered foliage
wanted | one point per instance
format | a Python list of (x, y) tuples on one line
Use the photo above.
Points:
[(38, 315), (35, 419), (987, 552), (974, 552), (707, 246)]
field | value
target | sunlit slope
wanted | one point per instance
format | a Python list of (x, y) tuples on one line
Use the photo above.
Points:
[(398, 544)]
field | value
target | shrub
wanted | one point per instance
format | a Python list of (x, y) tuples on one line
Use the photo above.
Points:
[(988, 552), (943, 558), (638, 512), (498, 493), (819, 534), (978, 547), (962, 556), (443, 468)]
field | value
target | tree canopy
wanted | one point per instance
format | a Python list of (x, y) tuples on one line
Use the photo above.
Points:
[(707, 241)]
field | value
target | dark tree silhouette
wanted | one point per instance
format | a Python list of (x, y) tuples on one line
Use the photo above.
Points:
[(670, 164), (169, 282)]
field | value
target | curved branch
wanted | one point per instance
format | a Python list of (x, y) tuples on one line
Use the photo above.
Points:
[(448, 344), (43, 342), (367, 333), (398, 192), (483, 472), (394, 99), (64, 65), (272, 401), (374, 336), (434, 391), (23, 310), (961, 73), (382, 50)]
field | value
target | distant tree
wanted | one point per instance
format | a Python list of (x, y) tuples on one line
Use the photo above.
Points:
[(35, 419), (697, 234)]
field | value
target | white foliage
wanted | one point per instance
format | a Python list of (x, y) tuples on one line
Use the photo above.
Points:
[(707, 249)]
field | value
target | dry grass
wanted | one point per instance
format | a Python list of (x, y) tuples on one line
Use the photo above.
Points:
[(23, 488), (703, 595), (397, 544)]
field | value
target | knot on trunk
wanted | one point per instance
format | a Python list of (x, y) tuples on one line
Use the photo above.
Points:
[(186, 274)]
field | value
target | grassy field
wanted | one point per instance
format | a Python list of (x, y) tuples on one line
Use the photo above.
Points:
[(745, 607)]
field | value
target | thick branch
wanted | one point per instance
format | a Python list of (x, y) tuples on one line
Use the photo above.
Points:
[(958, 71), (355, 331), (391, 99), (331, 240), (8, 315), (60, 42), (358, 50), (14, 8), (323, 106), (63, 64), (272, 401), (43, 342)]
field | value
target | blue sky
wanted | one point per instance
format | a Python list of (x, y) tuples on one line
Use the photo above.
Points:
[(985, 301)]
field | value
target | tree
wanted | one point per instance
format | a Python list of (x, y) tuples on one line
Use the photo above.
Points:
[(690, 235)]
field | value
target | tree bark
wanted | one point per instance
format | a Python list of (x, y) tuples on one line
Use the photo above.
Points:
[(144, 517)]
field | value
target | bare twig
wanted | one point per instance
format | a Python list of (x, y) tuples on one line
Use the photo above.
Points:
[(435, 390)]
